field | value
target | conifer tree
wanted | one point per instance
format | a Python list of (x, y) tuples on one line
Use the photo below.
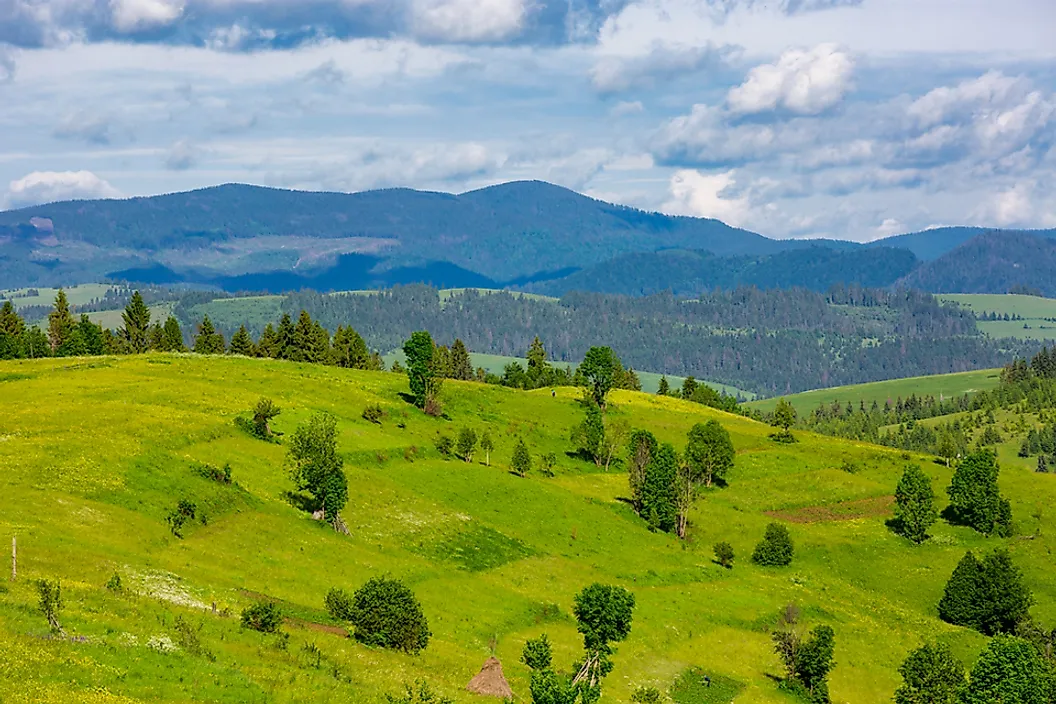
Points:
[(350, 350), (664, 388), (155, 336), (975, 498), (961, 602), (689, 387), (284, 345), (268, 344), (12, 330), (915, 504), (60, 322), (303, 348), (419, 350), (442, 362), (242, 343), (172, 336), (91, 336), (987, 595), (320, 341), (461, 364), (136, 319), (208, 340)]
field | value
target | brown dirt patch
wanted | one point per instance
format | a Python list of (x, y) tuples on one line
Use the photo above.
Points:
[(842, 511), (320, 627)]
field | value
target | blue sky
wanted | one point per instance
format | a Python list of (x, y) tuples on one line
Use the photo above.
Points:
[(794, 118)]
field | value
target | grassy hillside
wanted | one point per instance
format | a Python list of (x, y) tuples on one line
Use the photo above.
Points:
[(94, 454), (880, 391), (1039, 314)]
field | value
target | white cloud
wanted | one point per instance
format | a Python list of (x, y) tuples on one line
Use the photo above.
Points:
[(182, 155), (889, 227), (7, 64), (706, 195), (613, 73), (50, 186), (1013, 206), (944, 102), (804, 82), (625, 107), (136, 15), (468, 20), (84, 126)]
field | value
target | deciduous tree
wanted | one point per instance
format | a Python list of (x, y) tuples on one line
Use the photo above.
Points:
[(915, 504), (930, 675), (316, 466)]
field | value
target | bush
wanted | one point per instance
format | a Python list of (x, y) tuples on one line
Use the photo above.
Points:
[(775, 549), (338, 604), (445, 445), (185, 511), (262, 616), (724, 554), (419, 693), (784, 436), (647, 695), (374, 413), (546, 464), (467, 443), (187, 637), (522, 460), (850, 466), (385, 613), (213, 473), (114, 584)]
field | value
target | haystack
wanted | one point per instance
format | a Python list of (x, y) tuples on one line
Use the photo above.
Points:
[(490, 681)]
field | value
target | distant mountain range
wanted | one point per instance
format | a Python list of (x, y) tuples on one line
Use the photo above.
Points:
[(526, 234)]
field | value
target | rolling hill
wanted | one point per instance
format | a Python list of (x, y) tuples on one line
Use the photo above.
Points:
[(96, 452)]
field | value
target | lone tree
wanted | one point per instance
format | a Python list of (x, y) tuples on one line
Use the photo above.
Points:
[(784, 418), (663, 389), (915, 504), (522, 459), (930, 675), (50, 603), (814, 661), (975, 499), (316, 466), (424, 383), (724, 554), (1009, 670), (487, 447), (136, 319), (603, 615), (263, 413), (466, 444), (987, 595), (599, 370), (775, 549), (709, 452), (386, 614)]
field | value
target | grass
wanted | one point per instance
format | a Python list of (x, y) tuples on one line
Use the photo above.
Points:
[(1039, 314), (76, 295), (946, 385), (95, 452), (253, 311)]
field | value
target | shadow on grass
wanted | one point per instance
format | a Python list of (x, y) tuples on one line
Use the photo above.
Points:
[(301, 502)]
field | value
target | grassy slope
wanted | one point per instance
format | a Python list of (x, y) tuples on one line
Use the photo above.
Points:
[(1037, 311), (881, 391), (76, 295), (93, 453)]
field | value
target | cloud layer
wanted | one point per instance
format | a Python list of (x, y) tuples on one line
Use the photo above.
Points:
[(836, 118)]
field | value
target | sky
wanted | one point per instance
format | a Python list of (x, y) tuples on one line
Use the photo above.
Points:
[(853, 119)]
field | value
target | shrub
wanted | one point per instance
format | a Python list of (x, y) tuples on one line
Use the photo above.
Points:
[(419, 693), (724, 554), (263, 413), (187, 638), (338, 604), (522, 459), (445, 445), (385, 613), (467, 443), (185, 511), (775, 549), (546, 464), (374, 413), (850, 466), (647, 695), (213, 473), (114, 584), (50, 603), (537, 654), (264, 616)]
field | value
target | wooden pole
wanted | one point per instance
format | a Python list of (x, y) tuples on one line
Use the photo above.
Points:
[(14, 559)]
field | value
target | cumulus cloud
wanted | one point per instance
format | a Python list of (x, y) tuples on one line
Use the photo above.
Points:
[(803, 82), (136, 15), (50, 186), (706, 195), (1012, 206), (468, 20)]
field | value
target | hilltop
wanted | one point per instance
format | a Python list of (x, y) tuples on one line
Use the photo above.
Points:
[(96, 452)]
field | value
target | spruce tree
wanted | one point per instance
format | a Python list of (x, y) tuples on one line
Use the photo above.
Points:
[(12, 329), (1043, 466), (987, 595), (915, 504), (172, 336), (136, 318), (350, 350), (461, 365), (242, 343), (155, 336), (208, 340), (60, 322), (664, 389), (284, 346), (91, 335), (304, 347), (419, 350), (538, 368), (689, 387), (268, 344), (961, 602)]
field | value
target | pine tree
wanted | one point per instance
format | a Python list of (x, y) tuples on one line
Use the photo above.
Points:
[(304, 347), (664, 388), (12, 329), (172, 336), (915, 504), (60, 322), (91, 335), (350, 350), (242, 343), (284, 346), (155, 336), (208, 340), (961, 602), (461, 365), (136, 320)]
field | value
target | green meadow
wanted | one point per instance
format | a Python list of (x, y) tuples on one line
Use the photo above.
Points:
[(95, 452), (945, 385), (1039, 314)]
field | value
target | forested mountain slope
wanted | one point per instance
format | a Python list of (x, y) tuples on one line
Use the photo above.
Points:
[(994, 262)]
